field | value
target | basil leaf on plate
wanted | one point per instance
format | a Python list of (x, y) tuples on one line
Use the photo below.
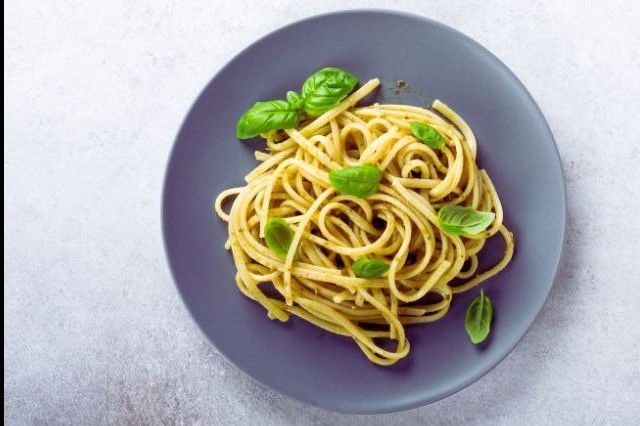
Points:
[(369, 268), (278, 236), (359, 181), (427, 134), (477, 320), (325, 89), (265, 116), (458, 220)]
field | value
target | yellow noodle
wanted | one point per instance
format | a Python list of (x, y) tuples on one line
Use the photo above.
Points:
[(331, 231)]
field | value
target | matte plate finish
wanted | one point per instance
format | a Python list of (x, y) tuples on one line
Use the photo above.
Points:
[(515, 146)]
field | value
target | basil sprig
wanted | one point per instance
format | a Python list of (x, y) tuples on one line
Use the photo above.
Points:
[(278, 235), (427, 134), (359, 181), (322, 91), (326, 88), (477, 320), (369, 268), (265, 116), (458, 220)]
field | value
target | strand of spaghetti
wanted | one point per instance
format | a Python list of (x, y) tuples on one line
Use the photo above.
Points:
[(452, 116), (376, 148), (321, 176), (275, 159), (261, 156), (296, 240), (453, 174), (317, 153), (508, 254), (217, 205)]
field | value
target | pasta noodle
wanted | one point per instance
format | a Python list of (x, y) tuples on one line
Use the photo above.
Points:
[(397, 225)]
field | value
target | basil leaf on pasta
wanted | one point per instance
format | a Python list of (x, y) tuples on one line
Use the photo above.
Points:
[(325, 89), (477, 320), (458, 220), (369, 268), (265, 116), (427, 134), (278, 235), (294, 100), (359, 181)]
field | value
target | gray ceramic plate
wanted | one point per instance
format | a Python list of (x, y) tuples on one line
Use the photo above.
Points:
[(515, 146)]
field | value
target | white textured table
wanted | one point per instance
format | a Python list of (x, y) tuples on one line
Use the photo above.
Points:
[(95, 331)]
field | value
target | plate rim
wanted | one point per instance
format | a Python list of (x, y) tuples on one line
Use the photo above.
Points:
[(509, 346)]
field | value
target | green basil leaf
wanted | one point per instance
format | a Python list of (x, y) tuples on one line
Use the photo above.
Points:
[(265, 116), (427, 134), (325, 89), (369, 268), (477, 320), (278, 235), (458, 220), (294, 100), (359, 181)]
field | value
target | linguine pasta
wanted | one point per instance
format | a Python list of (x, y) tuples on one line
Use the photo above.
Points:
[(397, 225)]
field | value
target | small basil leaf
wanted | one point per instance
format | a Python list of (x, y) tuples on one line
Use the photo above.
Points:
[(278, 235), (265, 116), (477, 320), (369, 268), (359, 181), (294, 100), (427, 134), (325, 89), (458, 220)]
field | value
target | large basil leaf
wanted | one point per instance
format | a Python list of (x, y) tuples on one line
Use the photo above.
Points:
[(265, 116), (359, 181), (325, 89), (458, 220)]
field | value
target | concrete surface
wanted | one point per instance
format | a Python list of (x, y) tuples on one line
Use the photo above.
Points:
[(94, 330)]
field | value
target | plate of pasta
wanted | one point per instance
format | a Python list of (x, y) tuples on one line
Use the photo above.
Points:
[(364, 220)]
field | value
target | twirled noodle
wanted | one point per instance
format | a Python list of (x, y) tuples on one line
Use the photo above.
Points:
[(397, 225)]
